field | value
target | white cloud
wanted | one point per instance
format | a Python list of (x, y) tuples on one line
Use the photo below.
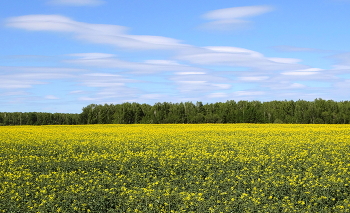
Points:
[(341, 63), (225, 25), (203, 83), (284, 85), (218, 95), (239, 57), (25, 77), (109, 87), (87, 99), (146, 67), (135, 42), (191, 81), (299, 73), (225, 49), (190, 73), (27, 69), (95, 33), (200, 86), (249, 93), (58, 23), (162, 62), (285, 60), (253, 78), (76, 92), (231, 18), (116, 35), (343, 86), (310, 71), (88, 56), (297, 86), (237, 12), (14, 93), (341, 67), (202, 78), (51, 97), (342, 58), (76, 2), (112, 94), (15, 82), (104, 80), (222, 86), (152, 96), (286, 48)]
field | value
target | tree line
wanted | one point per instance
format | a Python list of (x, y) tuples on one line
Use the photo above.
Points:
[(38, 118), (318, 111)]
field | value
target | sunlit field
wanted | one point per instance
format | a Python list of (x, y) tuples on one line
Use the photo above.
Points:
[(175, 168)]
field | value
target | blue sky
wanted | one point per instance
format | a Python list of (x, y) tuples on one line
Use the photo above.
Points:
[(61, 55)]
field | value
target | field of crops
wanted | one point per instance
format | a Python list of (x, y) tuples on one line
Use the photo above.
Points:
[(175, 168)]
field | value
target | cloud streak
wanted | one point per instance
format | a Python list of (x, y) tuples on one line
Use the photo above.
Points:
[(114, 35), (26, 77), (188, 74), (239, 57), (232, 18), (117, 36), (76, 2), (287, 48), (144, 67)]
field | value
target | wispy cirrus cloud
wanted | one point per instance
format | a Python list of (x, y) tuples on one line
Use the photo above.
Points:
[(114, 35), (253, 78), (35, 69), (239, 57), (76, 2), (285, 85), (51, 97), (109, 87), (341, 61), (248, 94), (27, 77), (143, 67), (117, 36), (232, 18), (303, 72), (58, 23), (104, 80), (187, 71), (287, 48), (200, 83)]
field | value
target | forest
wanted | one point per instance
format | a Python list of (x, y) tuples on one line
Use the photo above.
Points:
[(318, 111)]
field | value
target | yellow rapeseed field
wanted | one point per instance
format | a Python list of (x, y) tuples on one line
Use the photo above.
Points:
[(175, 168)]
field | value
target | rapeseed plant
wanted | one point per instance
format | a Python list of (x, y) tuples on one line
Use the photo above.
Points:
[(175, 168)]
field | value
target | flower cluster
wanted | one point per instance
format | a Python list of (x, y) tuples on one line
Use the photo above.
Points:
[(175, 168)]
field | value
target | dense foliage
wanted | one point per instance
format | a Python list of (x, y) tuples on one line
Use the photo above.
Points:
[(300, 112), (175, 168), (38, 118)]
